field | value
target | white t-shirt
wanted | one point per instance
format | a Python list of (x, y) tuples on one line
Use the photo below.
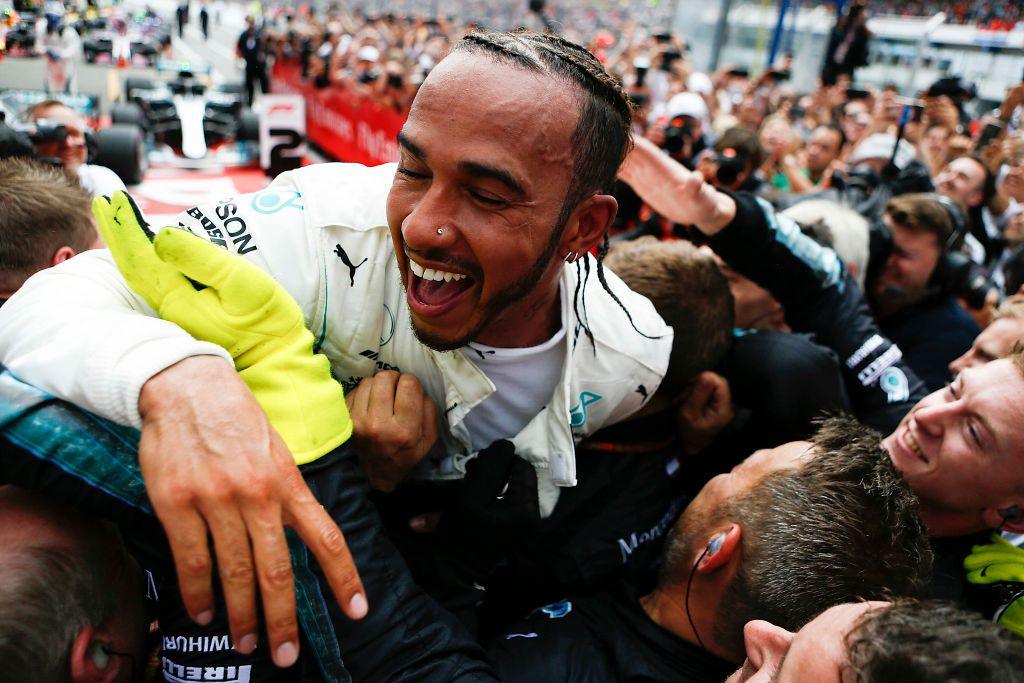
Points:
[(524, 380), (99, 180)]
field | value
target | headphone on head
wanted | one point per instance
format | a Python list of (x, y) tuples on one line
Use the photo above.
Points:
[(1011, 515), (953, 267), (957, 221)]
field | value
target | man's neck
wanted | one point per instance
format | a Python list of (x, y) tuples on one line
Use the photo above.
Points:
[(886, 305), (530, 322), (666, 607), (944, 524)]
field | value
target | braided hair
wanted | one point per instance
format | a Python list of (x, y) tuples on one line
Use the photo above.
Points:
[(602, 136)]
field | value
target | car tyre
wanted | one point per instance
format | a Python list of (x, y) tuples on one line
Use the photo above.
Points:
[(133, 83), (232, 88), (123, 151), (248, 126), (128, 113)]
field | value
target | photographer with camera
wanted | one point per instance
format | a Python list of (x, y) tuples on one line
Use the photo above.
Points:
[(913, 291), (62, 138), (733, 163), (683, 136)]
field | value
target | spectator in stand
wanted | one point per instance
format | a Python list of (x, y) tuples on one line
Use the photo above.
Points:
[(782, 169), (913, 301), (855, 119), (848, 45), (824, 147), (935, 147), (967, 180), (734, 161)]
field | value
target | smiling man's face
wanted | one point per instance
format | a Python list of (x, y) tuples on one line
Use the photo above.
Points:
[(486, 161), (961, 449)]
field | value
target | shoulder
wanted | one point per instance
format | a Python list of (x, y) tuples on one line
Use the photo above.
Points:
[(99, 180), (350, 195), (949, 319), (553, 643), (620, 319)]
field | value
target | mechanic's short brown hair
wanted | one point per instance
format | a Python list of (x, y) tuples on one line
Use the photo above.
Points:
[(43, 209), (689, 291), (912, 640), (33, 112), (920, 213)]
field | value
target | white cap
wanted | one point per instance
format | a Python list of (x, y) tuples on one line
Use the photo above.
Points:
[(699, 82), (687, 104), (880, 146), (368, 53)]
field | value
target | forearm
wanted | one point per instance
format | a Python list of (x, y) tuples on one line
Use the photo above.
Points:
[(821, 298), (97, 343), (669, 188)]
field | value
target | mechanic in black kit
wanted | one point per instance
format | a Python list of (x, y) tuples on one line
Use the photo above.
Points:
[(252, 47)]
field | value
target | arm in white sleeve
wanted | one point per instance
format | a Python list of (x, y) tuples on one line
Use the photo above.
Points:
[(78, 332)]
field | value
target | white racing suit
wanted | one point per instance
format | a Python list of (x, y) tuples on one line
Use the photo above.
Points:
[(78, 332)]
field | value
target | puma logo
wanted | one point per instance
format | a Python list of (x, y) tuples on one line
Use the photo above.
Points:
[(352, 268)]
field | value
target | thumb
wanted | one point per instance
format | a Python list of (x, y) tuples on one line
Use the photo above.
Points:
[(693, 407), (239, 284), (126, 235)]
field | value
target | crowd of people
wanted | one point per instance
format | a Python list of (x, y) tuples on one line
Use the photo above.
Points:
[(624, 371)]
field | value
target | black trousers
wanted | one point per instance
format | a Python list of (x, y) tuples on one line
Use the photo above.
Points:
[(255, 72)]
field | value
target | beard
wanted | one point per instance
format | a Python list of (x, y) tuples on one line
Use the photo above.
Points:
[(493, 310)]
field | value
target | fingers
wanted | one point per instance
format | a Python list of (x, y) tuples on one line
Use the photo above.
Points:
[(429, 436), (235, 568), (358, 400), (409, 400), (200, 260), (186, 534), (381, 401), (123, 202), (325, 540), (277, 582)]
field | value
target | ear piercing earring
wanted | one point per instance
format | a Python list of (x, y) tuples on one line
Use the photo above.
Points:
[(440, 231)]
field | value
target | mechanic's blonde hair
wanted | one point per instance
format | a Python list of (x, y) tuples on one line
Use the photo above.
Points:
[(44, 208)]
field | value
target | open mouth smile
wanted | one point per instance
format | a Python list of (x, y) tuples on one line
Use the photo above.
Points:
[(433, 291)]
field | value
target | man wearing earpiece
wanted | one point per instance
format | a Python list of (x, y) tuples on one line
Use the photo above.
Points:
[(960, 448), (72, 597), (785, 535), (913, 293)]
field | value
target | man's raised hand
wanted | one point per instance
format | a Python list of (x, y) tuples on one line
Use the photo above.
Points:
[(675, 192)]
